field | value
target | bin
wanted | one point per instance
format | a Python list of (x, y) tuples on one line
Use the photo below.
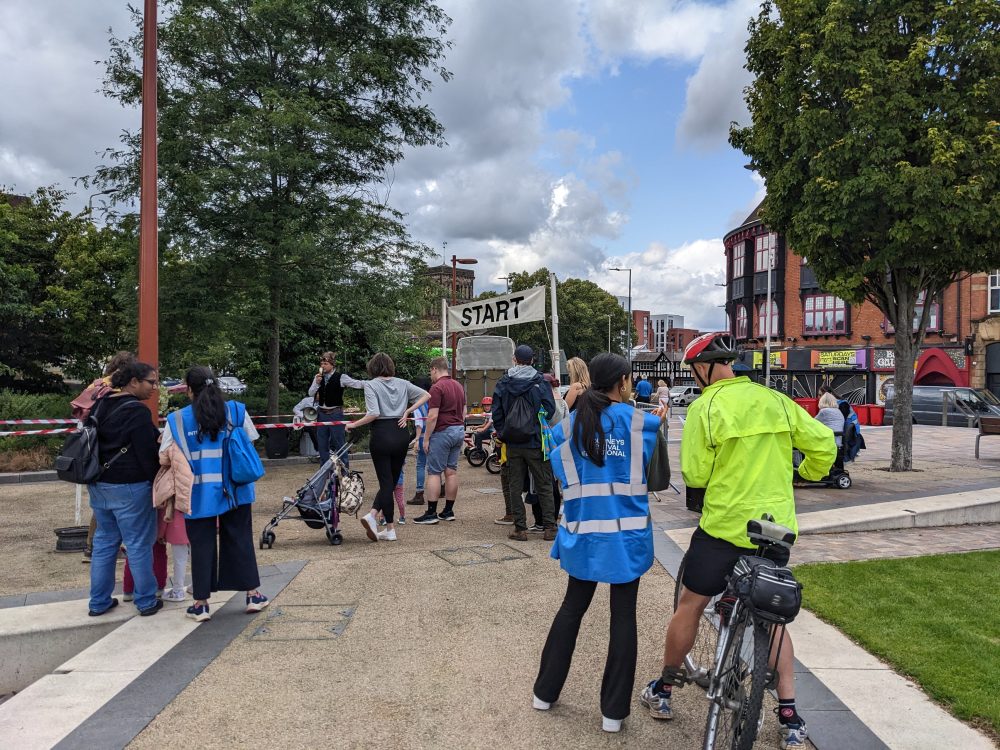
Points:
[(811, 405), (876, 414), (864, 415)]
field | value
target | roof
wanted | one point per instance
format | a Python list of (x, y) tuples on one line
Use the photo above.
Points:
[(648, 356), (751, 221)]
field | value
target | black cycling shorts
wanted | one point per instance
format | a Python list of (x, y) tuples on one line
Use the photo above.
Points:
[(709, 561)]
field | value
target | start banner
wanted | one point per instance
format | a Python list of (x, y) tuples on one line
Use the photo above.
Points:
[(505, 310)]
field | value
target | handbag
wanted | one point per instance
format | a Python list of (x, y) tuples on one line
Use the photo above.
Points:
[(244, 465), (350, 493), (658, 471)]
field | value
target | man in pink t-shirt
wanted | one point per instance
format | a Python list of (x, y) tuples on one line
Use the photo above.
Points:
[(443, 438)]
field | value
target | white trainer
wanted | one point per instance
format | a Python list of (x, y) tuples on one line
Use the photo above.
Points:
[(611, 725), (388, 535), (371, 525), (175, 595), (539, 705)]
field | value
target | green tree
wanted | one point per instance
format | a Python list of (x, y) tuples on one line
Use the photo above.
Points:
[(877, 129), (279, 122), (583, 318)]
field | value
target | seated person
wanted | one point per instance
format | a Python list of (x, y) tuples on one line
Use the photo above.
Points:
[(830, 415), (485, 432)]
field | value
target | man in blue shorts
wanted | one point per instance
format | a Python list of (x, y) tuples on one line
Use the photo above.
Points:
[(443, 439)]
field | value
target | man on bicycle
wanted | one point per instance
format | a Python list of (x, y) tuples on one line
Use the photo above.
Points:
[(737, 444)]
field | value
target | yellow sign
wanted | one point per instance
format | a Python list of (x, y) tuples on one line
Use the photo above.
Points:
[(778, 359), (838, 358)]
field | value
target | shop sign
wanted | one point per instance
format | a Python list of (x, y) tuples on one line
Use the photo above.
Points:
[(852, 358), (778, 359), (884, 359)]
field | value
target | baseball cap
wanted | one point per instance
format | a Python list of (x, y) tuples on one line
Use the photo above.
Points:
[(524, 354)]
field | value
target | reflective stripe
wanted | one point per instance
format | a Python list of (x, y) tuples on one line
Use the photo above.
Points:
[(635, 467), (608, 526), (604, 489), (180, 436), (566, 454), (207, 478), (208, 453)]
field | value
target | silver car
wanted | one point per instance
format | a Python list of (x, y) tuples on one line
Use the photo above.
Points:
[(683, 395), (231, 385)]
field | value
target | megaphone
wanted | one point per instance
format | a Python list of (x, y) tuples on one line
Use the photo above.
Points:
[(309, 414)]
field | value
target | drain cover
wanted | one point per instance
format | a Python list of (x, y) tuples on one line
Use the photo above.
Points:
[(479, 554), (304, 622)]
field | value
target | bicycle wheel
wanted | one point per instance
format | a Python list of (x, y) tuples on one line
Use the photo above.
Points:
[(702, 656), (493, 463), (476, 456), (734, 714)]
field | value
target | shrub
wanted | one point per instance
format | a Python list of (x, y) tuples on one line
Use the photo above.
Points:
[(15, 405)]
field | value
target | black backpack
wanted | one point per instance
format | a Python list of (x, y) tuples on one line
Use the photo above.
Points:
[(78, 462), (521, 420)]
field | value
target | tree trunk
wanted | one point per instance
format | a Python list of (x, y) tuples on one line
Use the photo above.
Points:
[(273, 351), (902, 405)]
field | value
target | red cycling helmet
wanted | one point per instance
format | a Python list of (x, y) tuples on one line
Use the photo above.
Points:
[(487, 401), (711, 347)]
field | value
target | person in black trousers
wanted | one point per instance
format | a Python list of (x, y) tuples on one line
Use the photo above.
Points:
[(389, 402)]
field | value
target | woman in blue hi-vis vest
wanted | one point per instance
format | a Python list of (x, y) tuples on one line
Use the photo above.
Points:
[(605, 533), (220, 512)]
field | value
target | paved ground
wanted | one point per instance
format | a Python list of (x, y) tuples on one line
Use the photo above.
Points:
[(869, 545), (436, 652)]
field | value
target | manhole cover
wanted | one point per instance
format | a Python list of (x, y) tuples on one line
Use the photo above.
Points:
[(479, 554), (304, 622)]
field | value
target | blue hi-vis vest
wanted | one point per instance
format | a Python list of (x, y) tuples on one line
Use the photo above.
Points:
[(208, 498), (605, 533)]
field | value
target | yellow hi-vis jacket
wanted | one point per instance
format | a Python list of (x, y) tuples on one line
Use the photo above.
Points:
[(737, 444)]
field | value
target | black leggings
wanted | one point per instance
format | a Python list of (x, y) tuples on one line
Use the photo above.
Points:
[(388, 446), (230, 566), (619, 669)]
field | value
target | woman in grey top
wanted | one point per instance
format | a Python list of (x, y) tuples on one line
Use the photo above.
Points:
[(830, 415), (389, 401)]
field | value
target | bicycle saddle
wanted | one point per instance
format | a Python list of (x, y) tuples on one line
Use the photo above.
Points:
[(764, 532)]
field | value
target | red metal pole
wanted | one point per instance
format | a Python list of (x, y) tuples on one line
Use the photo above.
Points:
[(454, 286), (149, 345)]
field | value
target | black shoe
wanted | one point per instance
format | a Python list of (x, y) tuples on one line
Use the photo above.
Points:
[(152, 609), (430, 517), (536, 529), (447, 515), (114, 603)]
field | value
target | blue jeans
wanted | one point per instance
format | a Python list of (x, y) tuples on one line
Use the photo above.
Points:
[(421, 464), (124, 513), (445, 445), (331, 437)]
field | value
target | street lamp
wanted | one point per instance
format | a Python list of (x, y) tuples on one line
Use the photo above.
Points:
[(506, 278), (609, 332), (629, 329), (455, 260)]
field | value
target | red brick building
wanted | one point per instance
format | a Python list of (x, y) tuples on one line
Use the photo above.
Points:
[(816, 338)]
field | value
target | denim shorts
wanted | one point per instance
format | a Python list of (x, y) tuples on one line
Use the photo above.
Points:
[(444, 449)]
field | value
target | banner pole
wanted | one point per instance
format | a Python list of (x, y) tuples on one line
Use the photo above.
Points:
[(444, 327), (555, 331)]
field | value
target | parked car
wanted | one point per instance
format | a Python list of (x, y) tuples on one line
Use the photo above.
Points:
[(170, 382), (683, 395), (964, 409), (234, 386)]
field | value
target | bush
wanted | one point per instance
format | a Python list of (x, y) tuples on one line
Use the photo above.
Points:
[(15, 405)]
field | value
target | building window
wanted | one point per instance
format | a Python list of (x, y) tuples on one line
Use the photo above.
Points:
[(933, 317), (995, 291), (824, 313), (739, 251), (762, 330), (741, 322), (766, 244)]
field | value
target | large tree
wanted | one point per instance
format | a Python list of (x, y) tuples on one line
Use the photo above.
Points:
[(279, 124), (876, 126)]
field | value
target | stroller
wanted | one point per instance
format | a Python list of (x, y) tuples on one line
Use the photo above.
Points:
[(332, 489)]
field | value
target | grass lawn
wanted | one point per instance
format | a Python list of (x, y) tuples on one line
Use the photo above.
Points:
[(936, 619)]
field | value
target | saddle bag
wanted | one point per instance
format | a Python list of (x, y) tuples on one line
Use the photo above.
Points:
[(770, 590)]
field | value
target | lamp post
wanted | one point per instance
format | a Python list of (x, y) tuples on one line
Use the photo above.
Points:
[(455, 260), (149, 343), (629, 329), (609, 332), (506, 278)]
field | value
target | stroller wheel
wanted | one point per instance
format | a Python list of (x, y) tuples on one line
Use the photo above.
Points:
[(334, 537), (267, 538)]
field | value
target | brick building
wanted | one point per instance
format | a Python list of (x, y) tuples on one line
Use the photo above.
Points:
[(816, 338)]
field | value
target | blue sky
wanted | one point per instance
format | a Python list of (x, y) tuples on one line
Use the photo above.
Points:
[(581, 134)]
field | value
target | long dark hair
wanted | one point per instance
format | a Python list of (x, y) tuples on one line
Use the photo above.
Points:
[(606, 372), (207, 402), (126, 372)]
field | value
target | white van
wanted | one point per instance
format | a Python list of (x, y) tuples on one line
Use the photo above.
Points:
[(683, 395)]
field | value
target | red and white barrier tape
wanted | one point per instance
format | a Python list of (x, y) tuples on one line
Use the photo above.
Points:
[(37, 421), (36, 433)]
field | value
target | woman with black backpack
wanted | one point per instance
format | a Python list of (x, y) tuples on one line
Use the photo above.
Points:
[(122, 496), (220, 524)]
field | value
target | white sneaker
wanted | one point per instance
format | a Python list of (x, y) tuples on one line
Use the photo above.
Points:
[(539, 705), (388, 535), (175, 595), (611, 725), (371, 525)]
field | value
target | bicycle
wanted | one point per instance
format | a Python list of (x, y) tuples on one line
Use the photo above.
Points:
[(478, 456), (734, 669)]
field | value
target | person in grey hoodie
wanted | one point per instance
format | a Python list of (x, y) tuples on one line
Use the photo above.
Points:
[(389, 402), (517, 400)]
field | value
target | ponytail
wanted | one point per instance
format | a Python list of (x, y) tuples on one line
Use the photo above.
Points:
[(207, 403), (606, 372)]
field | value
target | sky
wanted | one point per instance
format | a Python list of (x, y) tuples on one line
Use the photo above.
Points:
[(581, 135)]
